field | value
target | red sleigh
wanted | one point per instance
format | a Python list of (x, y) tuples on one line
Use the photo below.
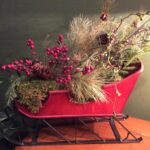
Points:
[(60, 106)]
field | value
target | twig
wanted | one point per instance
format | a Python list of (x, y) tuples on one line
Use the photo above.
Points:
[(138, 30), (121, 21)]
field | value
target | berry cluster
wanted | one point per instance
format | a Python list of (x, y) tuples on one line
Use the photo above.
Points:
[(30, 44), (20, 66), (58, 66), (87, 69), (60, 39), (64, 80), (58, 54), (66, 75)]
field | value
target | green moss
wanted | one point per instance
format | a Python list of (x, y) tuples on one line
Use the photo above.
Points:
[(33, 93)]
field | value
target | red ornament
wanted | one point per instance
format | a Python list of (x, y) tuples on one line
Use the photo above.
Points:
[(104, 16)]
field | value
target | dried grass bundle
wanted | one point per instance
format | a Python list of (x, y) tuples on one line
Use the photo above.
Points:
[(87, 88), (83, 36), (79, 31)]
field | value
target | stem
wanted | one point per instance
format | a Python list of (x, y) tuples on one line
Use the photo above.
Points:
[(121, 21), (138, 30)]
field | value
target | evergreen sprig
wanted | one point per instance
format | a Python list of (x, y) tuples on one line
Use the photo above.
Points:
[(11, 93)]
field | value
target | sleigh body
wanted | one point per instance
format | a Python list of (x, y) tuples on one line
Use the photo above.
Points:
[(59, 104)]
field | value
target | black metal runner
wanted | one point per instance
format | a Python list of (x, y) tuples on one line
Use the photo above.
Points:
[(21, 132)]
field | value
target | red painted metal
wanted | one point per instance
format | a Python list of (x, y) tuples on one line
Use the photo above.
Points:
[(59, 104)]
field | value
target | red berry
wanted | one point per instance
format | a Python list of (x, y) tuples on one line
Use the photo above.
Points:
[(28, 62), (60, 38), (56, 57), (68, 77), (87, 68), (91, 68), (4, 67), (78, 70), (32, 47), (16, 62), (65, 67), (71, 67), (12, 66), (21, 61)]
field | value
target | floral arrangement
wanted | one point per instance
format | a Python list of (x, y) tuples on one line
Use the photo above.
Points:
[(98, 50)]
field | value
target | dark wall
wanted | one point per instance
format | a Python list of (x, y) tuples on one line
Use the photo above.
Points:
[(22, 19)]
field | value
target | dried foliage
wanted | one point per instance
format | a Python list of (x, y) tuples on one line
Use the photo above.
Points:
[(112, 46), (118, 42), (82, 35), (87, 88), (77, 25)]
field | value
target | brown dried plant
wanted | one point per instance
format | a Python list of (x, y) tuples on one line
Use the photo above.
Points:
[(112, 46), (79, 31), (85, 88)]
